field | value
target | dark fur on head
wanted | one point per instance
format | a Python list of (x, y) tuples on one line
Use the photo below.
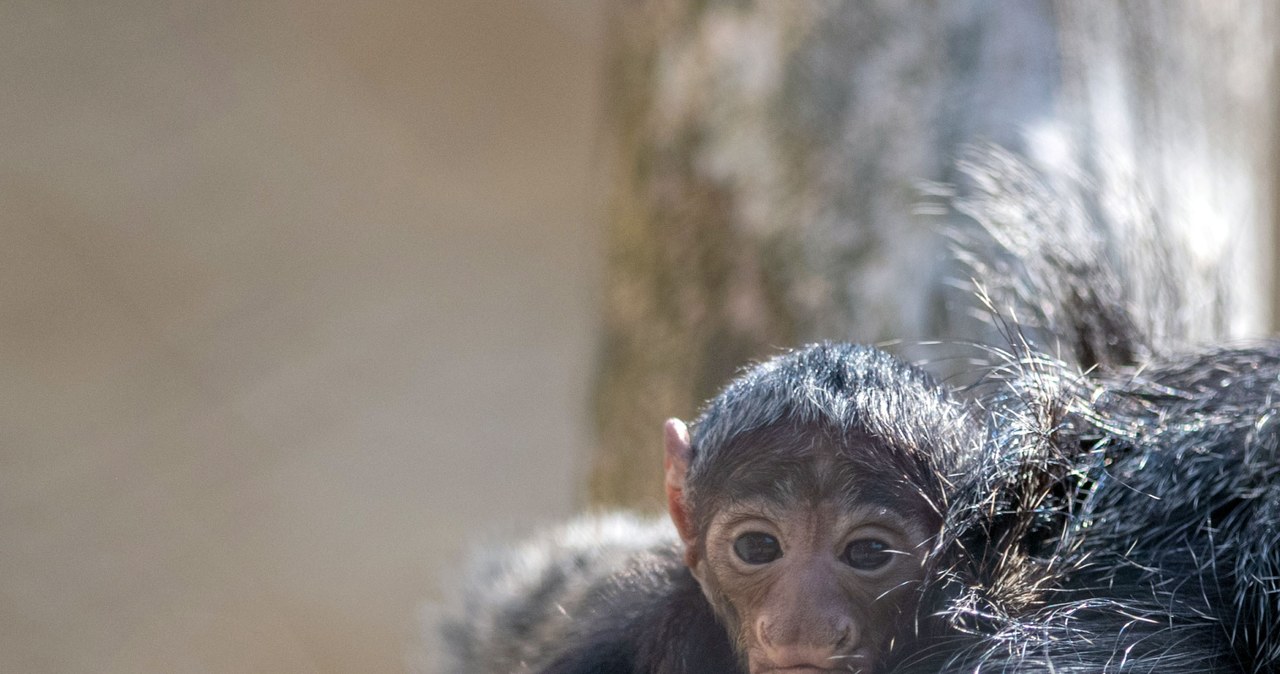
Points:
[(838, 394)]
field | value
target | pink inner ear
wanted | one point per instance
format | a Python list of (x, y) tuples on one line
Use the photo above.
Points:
[(676, 437), (676, 464)]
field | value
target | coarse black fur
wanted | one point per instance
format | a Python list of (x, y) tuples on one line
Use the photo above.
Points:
[(1109, 498), (1128, 520), (1136, 535), (1160, 551)]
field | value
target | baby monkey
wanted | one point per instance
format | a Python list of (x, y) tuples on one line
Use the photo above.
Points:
[(807, 497)]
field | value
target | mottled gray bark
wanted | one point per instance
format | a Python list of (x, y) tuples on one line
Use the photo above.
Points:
[(768, 159)]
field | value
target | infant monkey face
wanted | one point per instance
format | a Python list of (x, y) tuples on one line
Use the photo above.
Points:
[(814, 588)]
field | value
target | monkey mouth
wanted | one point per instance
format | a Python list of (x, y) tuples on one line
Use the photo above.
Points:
[(851, 663), (807, 669)]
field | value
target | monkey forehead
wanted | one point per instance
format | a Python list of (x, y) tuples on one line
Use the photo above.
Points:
[(840, 388), (833, 511), (787, 467)]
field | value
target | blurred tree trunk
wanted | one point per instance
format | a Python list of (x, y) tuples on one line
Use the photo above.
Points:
[(767, 159)]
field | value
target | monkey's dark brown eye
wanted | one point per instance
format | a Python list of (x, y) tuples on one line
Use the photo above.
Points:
[(867, 554), (756, 548)]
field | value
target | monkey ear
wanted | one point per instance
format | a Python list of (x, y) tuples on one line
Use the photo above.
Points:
[(676, 464)]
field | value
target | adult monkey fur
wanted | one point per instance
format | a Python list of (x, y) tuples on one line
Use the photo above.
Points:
[(841, 511)]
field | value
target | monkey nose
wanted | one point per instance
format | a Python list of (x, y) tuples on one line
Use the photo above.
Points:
[(817, 643)]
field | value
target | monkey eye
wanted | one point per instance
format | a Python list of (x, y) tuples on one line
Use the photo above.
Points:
[(867, 554), (754, 547)]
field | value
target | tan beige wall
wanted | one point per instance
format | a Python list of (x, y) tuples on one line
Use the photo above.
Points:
[(293, 295)]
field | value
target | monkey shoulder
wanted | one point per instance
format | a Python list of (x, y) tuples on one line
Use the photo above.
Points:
[(648, 616), (1194, 427), (599, 594), (1184, 500)]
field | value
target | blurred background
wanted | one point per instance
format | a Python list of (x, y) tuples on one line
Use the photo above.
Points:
[(299, 298), (293, 297)]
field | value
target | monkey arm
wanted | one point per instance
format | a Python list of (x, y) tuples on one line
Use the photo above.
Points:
[(522, 604)]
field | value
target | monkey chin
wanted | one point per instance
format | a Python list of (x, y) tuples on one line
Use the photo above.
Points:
[(806, 669), (850, 663)]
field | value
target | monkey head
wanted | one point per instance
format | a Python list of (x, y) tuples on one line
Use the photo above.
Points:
[(807, 508)]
